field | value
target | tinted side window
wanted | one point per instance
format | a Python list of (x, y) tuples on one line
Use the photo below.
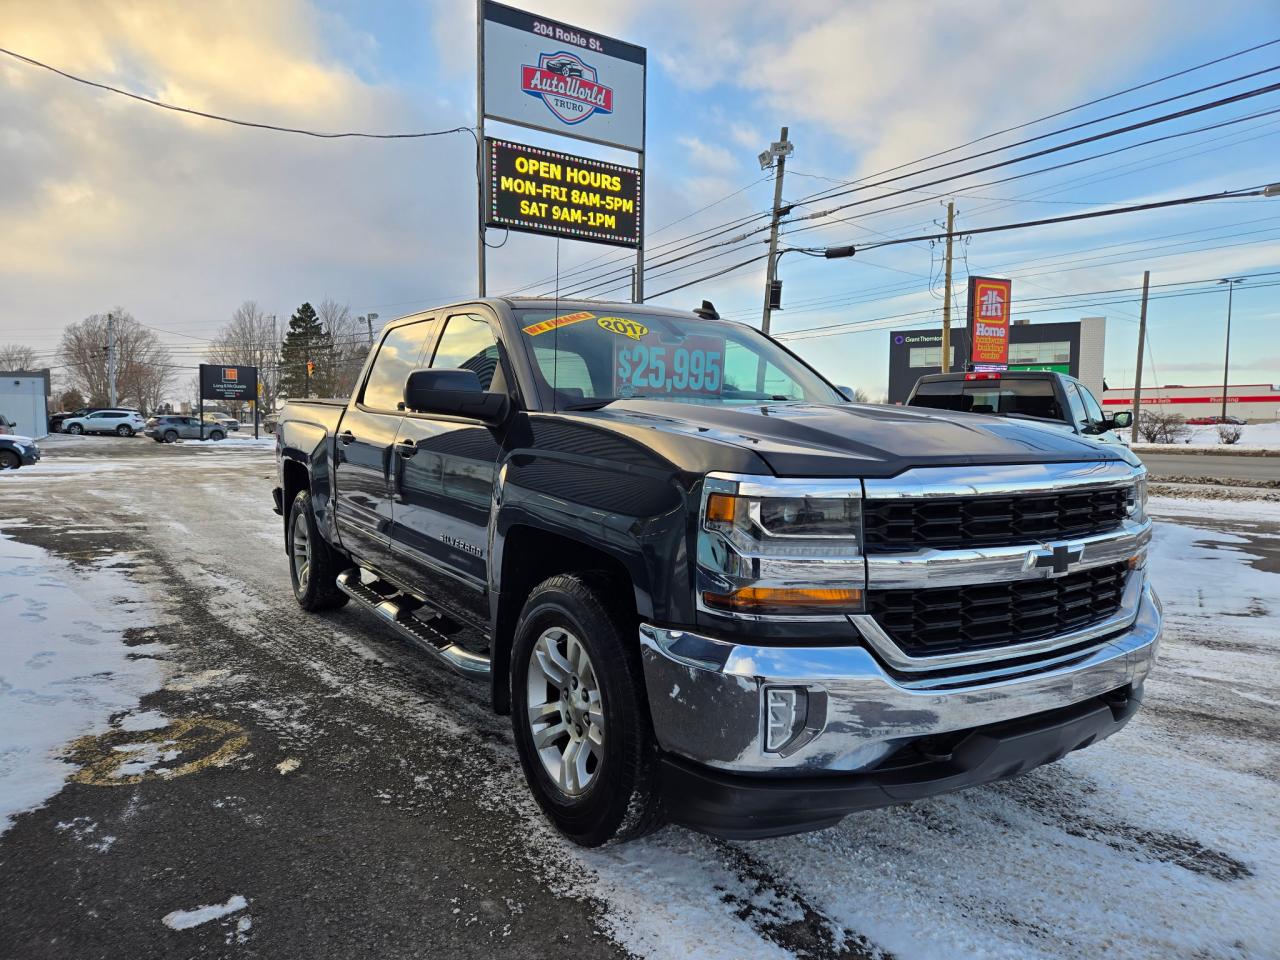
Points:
[(468, 343), (1076, 404), (1091, 408), (398, 357)]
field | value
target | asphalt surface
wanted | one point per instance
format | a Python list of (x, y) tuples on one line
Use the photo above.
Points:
[(1214, 466), (366, 804)]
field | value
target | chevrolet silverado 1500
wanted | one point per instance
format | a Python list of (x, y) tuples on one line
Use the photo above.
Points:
[(705, 586)]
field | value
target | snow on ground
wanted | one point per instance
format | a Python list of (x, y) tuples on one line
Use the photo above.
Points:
[(186, 919), (1249, 511), (64, 669), (1254, 436)]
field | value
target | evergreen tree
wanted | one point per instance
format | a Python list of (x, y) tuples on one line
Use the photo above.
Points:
[(306, 340)]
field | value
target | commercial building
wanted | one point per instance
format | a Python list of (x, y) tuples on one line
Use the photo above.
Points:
[(24, 399), (1249, 401), (1073, 347)]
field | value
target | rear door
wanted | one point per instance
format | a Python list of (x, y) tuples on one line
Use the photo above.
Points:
[(443, 480), (363, 448)]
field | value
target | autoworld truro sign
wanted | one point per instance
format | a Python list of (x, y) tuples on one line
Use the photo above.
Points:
[(546, 74), (541, 191)]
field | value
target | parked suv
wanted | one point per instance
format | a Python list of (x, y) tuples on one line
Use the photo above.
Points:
[(170, 428), (706, 586), (123, 423)]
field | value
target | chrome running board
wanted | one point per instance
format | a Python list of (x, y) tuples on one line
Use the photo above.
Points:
[(397, 609)]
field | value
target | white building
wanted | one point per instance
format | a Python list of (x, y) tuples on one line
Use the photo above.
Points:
[(24, 399), (1255, 402)]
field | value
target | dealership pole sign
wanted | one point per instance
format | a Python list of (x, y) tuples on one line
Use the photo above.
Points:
[(228, 383), (989, 305), (541, 191), (546, 75)]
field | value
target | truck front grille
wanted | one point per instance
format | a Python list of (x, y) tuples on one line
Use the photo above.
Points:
[(949, 523), (947, 620)]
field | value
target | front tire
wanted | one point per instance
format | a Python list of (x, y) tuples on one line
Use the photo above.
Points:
[(313, 567), (216, 435), (581, 715), (9, 460)]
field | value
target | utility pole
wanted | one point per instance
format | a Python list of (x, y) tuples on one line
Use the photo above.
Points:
[(946, 292), (111, 357), (1142, 339), (777, 154), (1226, 359)]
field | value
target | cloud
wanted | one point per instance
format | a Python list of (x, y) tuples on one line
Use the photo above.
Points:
[(179, 218)]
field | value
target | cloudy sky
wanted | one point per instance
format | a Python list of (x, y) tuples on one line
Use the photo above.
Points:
[(108, 202)]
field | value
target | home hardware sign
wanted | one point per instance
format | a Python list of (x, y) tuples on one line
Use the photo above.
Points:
[(541, 191)]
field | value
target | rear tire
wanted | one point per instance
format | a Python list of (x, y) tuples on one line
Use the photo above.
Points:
[(9, 460), (171, 436), (313, 566), (75, 429), (612, 795), (124, 431)]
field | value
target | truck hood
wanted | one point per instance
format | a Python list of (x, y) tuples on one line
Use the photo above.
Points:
[(860, 440)]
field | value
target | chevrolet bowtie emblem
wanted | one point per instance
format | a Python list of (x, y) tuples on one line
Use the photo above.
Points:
[(1059, 558)]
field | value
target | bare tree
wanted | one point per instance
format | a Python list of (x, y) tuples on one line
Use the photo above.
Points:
[(350, 339), (144, 366), (251, 339), (17, 356), (1157, 426)]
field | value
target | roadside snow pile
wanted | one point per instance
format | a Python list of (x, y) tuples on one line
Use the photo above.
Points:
[(64, 666), (232, 440), (1254, 437)]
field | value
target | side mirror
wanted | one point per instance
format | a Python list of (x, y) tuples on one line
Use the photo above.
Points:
[(1122, 419), (848, 394), (453, 393)]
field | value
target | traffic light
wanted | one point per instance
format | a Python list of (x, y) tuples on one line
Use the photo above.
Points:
[(775, 295), (311, 368)]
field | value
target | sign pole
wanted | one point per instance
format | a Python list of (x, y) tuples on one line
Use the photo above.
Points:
[(200, 401), (480, 191)]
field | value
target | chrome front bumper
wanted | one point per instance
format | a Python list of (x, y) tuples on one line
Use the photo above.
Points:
[(707, 696)]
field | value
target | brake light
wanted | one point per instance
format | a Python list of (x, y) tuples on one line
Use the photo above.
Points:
[(982, 376)]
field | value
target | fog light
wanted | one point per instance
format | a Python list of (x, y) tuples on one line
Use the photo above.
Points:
[(785, 712)]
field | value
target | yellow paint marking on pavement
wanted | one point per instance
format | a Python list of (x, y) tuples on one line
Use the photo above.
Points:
[(101, 758)]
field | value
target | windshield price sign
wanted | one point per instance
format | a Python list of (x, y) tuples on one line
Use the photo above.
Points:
[(693, 367), (989, 305), (541, 191), (238, 384), (546, 74)]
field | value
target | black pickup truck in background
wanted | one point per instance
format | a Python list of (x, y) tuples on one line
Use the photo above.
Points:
[(705, 586), (1054, 399)]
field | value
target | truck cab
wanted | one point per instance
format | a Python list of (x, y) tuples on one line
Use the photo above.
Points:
[(1053, 399)]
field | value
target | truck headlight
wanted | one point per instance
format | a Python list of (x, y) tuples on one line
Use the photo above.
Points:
[(780, 547), (1135, 505)]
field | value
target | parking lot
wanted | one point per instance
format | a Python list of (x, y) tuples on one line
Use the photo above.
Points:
[(192, 766)]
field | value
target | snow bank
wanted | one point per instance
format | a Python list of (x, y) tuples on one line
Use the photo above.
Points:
[(64, 666), (1253, 437)]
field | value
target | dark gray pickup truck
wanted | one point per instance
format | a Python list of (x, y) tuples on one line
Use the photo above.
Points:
[(707, 587)]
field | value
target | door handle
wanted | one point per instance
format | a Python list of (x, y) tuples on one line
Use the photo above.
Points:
[(347, 437), (407, 448)]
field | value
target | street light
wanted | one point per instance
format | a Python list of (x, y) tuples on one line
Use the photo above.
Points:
[(1226, 360)]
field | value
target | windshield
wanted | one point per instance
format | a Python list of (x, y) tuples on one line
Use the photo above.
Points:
[(588, 357), (1024, 397)]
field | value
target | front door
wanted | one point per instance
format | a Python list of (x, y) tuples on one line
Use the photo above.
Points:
[(443, 482), (363, 448)]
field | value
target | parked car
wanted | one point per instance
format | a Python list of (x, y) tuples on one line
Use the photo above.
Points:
[(17, 452), (7, 426), (123, 423), (57, 421), (171, 428), (1210, 421), (705, 586), (1046, 397), (222, 420)]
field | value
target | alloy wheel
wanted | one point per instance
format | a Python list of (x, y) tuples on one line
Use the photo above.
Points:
[(301, 550), (566, 711)]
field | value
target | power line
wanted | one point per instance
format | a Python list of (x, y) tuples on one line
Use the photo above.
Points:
[(239, 123)]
